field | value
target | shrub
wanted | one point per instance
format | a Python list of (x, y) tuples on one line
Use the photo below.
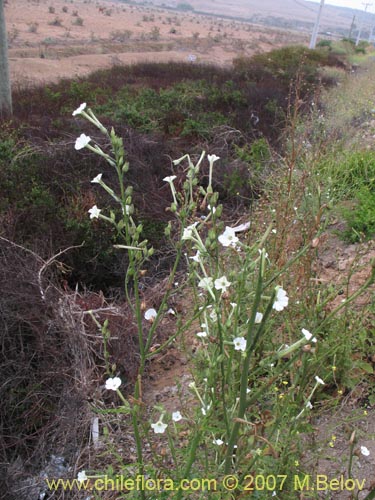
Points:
[(56, 22), (33, 27), (185, 6), (360, 217), (78, 21)]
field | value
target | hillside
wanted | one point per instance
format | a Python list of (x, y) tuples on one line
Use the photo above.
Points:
[(299, 14)]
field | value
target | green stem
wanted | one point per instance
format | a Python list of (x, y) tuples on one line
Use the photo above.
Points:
[(245, 368)]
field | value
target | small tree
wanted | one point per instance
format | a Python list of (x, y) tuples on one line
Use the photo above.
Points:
[(5, 91)]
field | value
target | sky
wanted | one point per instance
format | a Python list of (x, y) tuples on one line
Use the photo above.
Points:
[(354, 4)]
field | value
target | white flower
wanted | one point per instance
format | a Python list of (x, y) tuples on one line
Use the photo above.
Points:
[(242, 227), (82, 141), (79, 110), (213, 316), (170, 178), (206, 283), (188, 232), (281, 300), (196, 257), (212, 158), (176, 416), (219, 442), (309, 405), (222, 284), (365, 451), (112, 384), (258, 318), (308, 335), (81, 476), (94, 212), (319, 380), (205, 409), (159, 427), (201, 334), (239, 344), (211, 209), (228, 238), (97, 179), (150, 314)]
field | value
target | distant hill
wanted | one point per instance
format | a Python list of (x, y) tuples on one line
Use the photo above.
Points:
[(292, 14)]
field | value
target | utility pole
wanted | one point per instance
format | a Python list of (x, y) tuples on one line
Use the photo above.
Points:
[(351, 28), (361, 25), (371, 34), (316, 27), (5, 92)]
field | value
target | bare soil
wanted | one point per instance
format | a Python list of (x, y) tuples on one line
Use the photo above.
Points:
[(54, 39)]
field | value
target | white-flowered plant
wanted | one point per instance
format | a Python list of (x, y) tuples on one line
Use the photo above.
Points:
[(228, 238), (218, 442), (159, 427), (281, 299), (150, 314), (258, 318), (113, 384), (82, 141), (308, 335), (365, 451), (176, 416), (81, 476), (228, 289), (239, 344), (222, 284), (94, 212)]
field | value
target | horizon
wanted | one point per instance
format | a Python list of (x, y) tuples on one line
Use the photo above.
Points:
[(352, 4)]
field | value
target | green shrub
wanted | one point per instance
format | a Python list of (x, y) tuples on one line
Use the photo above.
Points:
[(348, 174), (360, 217)]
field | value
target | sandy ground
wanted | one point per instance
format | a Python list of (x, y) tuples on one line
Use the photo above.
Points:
[(52, 39)]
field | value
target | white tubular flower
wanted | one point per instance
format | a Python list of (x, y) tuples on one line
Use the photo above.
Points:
[(79, 110), (212, 158), (159, 427), (308, 335), (81, 476), (201, 334), (365, 451), (188, 231), (82, 141), (196, 257), (205, 409), (258, 318), (94, 212), (206, 283), (150, 314), (319, 380), (222, 284), (239, 344), (228, 238), (281, 300), (242, 227), (112, 384), (97, 179), (170, 178), (176, 416), (219, 442), (309, 405)]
